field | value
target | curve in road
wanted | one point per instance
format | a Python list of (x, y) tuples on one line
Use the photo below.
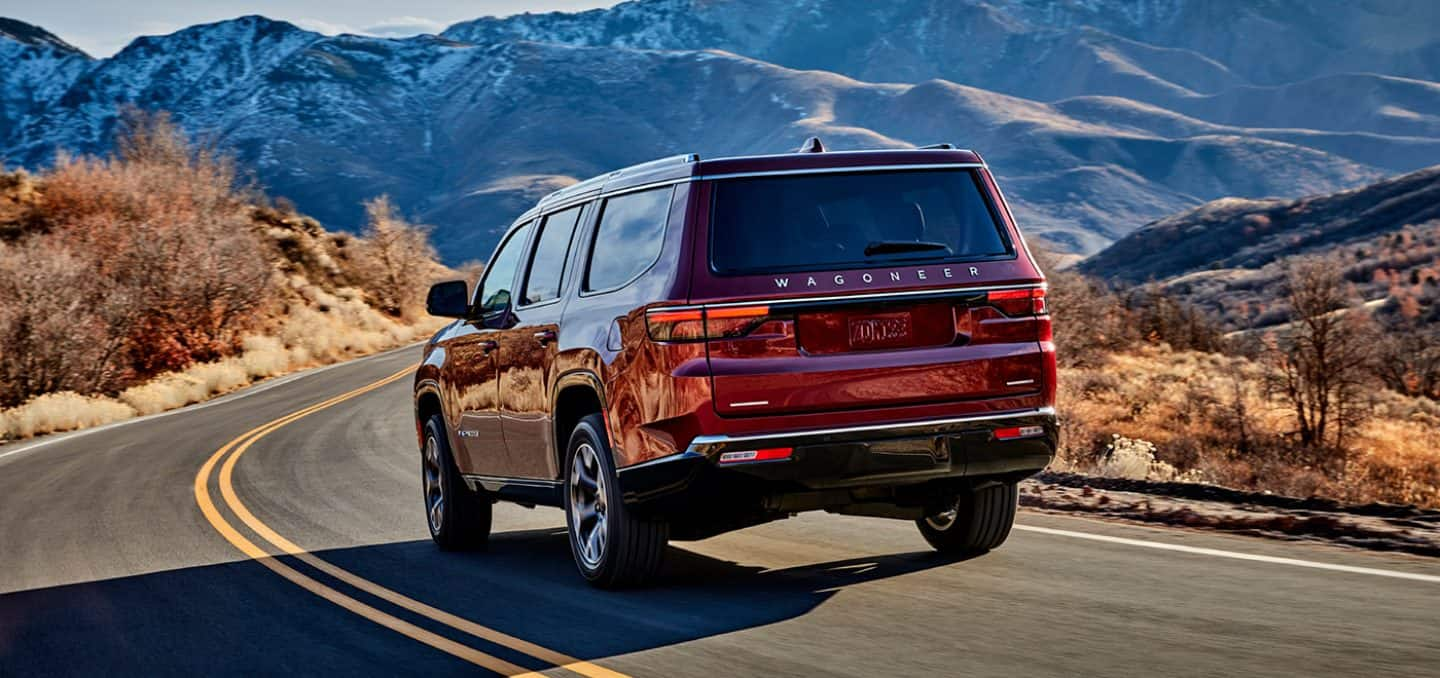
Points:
[(106, 565)]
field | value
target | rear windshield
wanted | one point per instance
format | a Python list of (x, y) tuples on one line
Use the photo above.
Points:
[(832, 221)]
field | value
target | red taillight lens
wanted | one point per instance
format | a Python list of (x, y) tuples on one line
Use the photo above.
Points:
[(734, 321), (1017, 432), (1019, 302), (1007, 316), (699, 324), (747, 456), (682, 325)]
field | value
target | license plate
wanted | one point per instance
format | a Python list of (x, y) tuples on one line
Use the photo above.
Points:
[(879, 331)]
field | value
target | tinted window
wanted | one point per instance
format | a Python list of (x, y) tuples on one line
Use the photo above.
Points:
[(552, 247), (830, 221), (632, 228), (494, 292)]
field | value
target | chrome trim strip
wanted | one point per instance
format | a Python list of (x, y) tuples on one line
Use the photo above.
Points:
[(751, 403), (852, 297), (840, 170), (701, 441)]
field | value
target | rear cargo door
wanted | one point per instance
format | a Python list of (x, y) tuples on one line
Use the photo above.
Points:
[(865, 231)]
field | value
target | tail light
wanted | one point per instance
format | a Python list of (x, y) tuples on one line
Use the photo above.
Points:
[(1007, 316), (1016, 303), (726, 322)]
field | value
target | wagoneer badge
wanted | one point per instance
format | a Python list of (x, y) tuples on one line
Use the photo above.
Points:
[(867, 278)]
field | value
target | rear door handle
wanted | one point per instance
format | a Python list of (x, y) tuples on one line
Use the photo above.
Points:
[(488, 345), (545, 336)]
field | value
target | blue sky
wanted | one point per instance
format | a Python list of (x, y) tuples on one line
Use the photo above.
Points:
[(102, 27)]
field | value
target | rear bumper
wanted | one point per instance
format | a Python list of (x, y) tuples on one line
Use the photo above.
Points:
[(894, 454)]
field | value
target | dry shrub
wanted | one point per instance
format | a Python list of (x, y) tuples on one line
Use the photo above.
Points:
[(61, 327), (132, 266), (153, 280)]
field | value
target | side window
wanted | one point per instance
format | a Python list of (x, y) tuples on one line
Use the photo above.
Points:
[(632, 228), (494, 292), (547, 264)]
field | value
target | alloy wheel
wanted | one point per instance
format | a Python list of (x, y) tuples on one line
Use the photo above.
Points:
[(588, 505), (943, 520), (434, 479)]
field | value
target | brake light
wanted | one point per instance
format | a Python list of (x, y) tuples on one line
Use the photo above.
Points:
[(699, 324), (767, 454), (1030, 301)]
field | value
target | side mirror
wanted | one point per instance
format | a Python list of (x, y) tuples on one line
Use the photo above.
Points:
[(449, 299)]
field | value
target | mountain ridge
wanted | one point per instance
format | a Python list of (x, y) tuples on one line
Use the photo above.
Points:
[(464, 133)]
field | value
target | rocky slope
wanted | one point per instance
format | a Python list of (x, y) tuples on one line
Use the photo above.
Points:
[(1227, 255), (1121, 115)]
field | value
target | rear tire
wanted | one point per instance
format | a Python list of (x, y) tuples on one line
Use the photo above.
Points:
[(612, 547), (458, 517), (980, 521)]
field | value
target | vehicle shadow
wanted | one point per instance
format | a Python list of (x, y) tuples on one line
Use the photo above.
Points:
[(240, 618)]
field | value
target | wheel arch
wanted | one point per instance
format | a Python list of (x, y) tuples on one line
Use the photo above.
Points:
[(427, 404), (577, 395)]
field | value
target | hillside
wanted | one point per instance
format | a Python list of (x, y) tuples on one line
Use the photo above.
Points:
[(1226, 255), (152, 279), (1123, 114)]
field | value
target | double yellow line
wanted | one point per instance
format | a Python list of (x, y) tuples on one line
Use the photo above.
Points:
[(230, 453)]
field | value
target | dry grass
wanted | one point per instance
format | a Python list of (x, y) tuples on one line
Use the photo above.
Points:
[(1207, 421), (63, 411)]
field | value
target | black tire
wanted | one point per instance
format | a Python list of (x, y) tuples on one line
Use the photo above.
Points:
[(981, 522), (630, 549), (462, 521)]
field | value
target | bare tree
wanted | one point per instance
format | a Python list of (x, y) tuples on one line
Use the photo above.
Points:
[(395, 262), (1320, 363)]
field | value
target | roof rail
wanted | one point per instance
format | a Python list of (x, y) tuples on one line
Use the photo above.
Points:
[(811, 145), (947, 146), (597, 181)]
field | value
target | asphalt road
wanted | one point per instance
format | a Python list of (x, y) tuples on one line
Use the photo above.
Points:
[(112, 562)]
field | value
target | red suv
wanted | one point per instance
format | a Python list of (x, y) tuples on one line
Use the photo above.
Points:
[(687, 347)]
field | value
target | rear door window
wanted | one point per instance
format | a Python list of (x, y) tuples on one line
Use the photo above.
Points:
[(628, 240), (835, 221), (552, 249)]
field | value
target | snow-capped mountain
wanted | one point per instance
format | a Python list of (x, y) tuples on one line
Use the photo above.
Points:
[(1151, 50), (37, 69), (1097, 133)]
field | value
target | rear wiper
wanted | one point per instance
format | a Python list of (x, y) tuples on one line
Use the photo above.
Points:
[(901, 246)]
